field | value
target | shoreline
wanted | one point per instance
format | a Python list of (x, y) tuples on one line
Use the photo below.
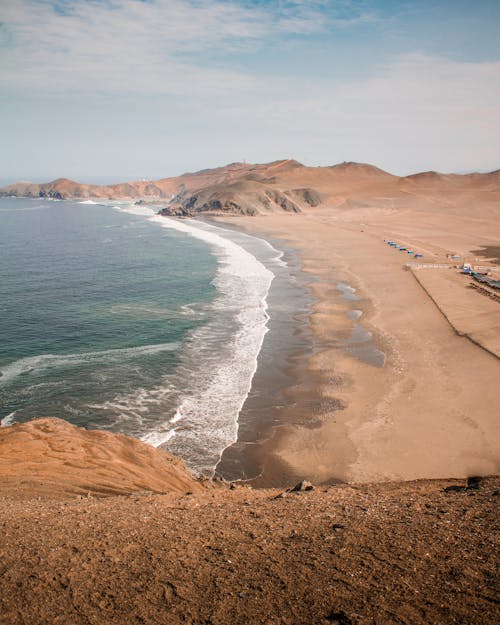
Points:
[(375, 383), (423, 414), (242, 282), (304, 404), (287, 337)]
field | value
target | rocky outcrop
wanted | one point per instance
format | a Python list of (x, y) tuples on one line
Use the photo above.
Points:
[(281, 200), (311, 197)]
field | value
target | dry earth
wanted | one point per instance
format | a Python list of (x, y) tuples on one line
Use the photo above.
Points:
[(206, 553), (51, 458), (411, 553)]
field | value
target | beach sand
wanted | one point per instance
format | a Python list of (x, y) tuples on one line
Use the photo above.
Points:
[(431, 409)]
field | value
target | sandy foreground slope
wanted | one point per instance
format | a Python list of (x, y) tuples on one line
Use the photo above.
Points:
[(49, 457), (413, 553)]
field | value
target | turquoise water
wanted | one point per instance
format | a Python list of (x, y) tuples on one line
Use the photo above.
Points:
[(93, 303), (112, 317)]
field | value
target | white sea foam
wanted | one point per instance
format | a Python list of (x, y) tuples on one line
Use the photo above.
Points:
[(218, 360), (42, 362), (134, 209), (8, 420), (210, 411), (156, 312), (278, 258), (87, 202)]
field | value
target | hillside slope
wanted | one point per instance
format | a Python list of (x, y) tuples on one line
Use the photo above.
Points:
[(51, 458), (414, 554), (249, 189)]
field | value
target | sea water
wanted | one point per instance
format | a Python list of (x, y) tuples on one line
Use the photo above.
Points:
[(113, 317)]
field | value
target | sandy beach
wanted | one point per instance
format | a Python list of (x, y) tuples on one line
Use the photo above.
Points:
[(430, 409)]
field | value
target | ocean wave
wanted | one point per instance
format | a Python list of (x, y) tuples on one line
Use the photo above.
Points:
[(87, 202), (132, 209), (191, 311), (208, 414), (7, 420), (20, 209), (194, 410), (37, 364)]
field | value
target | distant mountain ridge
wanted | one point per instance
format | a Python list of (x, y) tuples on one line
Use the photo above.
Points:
[(250, 189)]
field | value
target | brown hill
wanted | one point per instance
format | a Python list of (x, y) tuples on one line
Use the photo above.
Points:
[(50, 457), (244, 188)]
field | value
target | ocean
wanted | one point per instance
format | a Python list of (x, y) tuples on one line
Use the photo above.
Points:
[(115, 318)]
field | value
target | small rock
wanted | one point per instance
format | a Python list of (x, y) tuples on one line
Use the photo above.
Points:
[(338, 618), (473, 482), (454, 488), (338, 526), (302, 486), (169, 592)]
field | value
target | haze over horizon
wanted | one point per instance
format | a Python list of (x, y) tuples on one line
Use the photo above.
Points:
[(100, 91)]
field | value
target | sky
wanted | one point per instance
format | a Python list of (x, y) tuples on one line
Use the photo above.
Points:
[(109, 90)]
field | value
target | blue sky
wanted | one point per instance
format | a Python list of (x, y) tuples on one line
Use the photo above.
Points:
[(111, 90)]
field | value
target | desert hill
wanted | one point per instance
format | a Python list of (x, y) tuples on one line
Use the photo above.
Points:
[(50, 457), (286, 185)]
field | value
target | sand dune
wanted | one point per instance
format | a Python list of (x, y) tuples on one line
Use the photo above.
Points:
[(50, 457)]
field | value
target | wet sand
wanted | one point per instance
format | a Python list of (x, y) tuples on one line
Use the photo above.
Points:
[(427, 410)]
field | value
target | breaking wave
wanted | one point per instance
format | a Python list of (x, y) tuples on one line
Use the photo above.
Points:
[(38, 364), (217, 362)]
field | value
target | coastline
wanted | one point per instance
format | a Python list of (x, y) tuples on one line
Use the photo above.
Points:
[(122, 529), (205, 422), (368, 381), (422, 413), (266, 406)]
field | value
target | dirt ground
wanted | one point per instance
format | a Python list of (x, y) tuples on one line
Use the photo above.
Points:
[(412, 553)]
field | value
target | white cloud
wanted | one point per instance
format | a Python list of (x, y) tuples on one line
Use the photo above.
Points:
[(132, 45), (416, 111), (447, 110)]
